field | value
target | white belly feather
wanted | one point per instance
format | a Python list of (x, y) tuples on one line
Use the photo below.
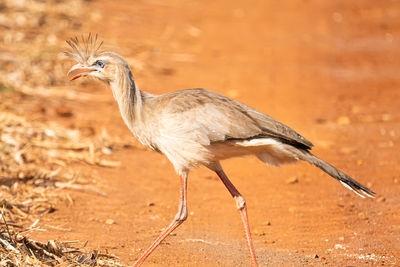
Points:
[(268, 150)]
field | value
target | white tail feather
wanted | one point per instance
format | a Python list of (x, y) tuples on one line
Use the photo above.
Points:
[(349, 187)]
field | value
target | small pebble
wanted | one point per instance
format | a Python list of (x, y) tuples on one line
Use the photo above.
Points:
[(259, 233), (193, 31), (339, 246), (292, 180), (343, 120), (110, 221), (381, 199), (106, 151), (64, 111)]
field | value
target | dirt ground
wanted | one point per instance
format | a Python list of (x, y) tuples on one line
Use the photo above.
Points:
[(328, 69)]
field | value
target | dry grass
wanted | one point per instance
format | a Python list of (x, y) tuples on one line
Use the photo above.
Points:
[(34, 173), (34, 160), (36, 154), (18, 250)]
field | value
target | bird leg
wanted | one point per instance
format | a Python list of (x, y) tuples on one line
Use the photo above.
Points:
[(241, 206), (180, 217)]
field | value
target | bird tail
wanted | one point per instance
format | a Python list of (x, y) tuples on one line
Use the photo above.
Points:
[(343, 178)]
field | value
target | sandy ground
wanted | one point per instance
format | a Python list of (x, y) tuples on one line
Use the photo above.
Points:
[(328, 70)]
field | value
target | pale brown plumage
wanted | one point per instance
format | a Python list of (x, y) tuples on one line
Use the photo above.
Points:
[(197, 127)]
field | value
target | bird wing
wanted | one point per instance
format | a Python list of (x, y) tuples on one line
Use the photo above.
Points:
[(208, 117)]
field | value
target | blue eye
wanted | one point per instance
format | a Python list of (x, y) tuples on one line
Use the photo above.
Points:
[(100, 63)]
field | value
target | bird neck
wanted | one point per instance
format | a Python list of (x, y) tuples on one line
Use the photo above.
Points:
[(128, 96)]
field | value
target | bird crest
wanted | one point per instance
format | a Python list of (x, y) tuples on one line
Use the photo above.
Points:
[(85, 49)]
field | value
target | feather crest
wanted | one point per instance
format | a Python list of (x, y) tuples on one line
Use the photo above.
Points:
[(85, 49)]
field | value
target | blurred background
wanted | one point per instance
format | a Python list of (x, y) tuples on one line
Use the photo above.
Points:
[(72, 171)]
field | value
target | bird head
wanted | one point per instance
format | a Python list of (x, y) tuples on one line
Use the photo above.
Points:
[(105, 66)]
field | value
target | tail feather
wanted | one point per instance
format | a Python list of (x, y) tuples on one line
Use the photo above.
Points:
[(343, 178)]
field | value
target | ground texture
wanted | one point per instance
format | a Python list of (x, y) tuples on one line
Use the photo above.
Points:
[(328, 70)]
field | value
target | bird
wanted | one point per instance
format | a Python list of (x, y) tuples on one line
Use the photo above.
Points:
[(197, 127)]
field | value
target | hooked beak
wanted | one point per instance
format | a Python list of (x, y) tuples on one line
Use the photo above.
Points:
[(80, 71)]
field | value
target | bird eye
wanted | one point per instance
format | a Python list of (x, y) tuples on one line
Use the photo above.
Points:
[(100, 63)]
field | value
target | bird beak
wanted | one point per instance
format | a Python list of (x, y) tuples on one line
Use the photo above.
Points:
[(80, 70)]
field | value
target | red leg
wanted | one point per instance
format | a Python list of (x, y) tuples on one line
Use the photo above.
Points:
[(241, 206), (180, 217)]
